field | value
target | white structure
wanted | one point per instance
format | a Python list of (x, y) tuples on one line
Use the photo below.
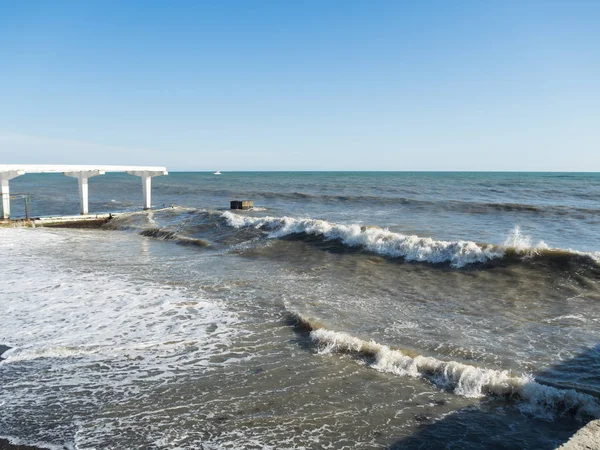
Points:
[(82, 173)]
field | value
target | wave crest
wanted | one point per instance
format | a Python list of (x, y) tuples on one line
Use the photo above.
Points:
[(461, 379), (374, 239), (168, 235), (517, 246)]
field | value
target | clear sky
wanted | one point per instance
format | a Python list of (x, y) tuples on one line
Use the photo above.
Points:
[(302, 85)]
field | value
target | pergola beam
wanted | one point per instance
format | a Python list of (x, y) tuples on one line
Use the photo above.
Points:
[(82, 173)]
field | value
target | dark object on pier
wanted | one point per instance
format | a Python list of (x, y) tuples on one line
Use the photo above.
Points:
[(242, 204)]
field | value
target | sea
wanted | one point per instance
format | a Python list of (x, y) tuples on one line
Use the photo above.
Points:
[(346, 310)]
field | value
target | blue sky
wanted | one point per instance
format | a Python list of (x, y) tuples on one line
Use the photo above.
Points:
[(307, 85)]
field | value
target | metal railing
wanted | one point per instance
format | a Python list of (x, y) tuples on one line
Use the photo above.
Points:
[(27, 200)]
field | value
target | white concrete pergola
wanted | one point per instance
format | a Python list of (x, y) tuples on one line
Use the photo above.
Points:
[(82, 173)]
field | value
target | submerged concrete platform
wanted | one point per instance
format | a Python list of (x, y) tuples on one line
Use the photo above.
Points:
[(89, 221)]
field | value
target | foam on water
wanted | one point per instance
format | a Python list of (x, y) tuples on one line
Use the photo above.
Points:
[(411, 248), (93, 334), (374, 239), (67, 314), (466, 380), (521, 242), (115, 352)]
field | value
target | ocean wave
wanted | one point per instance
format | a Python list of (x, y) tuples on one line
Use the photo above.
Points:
[(58, 352), (541, 400), (140, 220), (486, 207), (411, 248), (168, 235), (4, 351), (178, 223), (374, 239), (405, 198)]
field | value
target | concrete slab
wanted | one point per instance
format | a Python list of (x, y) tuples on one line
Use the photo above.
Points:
[(587, 438), (89, 221)]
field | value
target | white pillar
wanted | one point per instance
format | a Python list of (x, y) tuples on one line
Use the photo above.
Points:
[(83, 194), (82, 178), (147, 191), (5, 199), (4, 189), (146, 176)]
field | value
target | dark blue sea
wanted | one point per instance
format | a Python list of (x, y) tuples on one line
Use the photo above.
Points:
[(346, 310)]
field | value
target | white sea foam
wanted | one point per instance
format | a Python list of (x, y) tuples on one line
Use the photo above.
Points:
[(65, 314), (523, 243), (374, 239), (578, 318), (462, 379), (396, 245), (96, 336)]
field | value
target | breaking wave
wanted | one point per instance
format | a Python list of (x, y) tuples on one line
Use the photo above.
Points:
[(466, 380), (411, 248), (168, 235)]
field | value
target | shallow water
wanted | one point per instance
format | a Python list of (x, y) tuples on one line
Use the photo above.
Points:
[(348, 310)]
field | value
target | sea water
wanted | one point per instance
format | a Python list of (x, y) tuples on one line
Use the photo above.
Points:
[(347, 310)]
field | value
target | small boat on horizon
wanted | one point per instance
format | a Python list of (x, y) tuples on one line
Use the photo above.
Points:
[(218, 172)]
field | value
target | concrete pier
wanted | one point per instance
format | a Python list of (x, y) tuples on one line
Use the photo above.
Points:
[(87, 221), (82, 173)]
